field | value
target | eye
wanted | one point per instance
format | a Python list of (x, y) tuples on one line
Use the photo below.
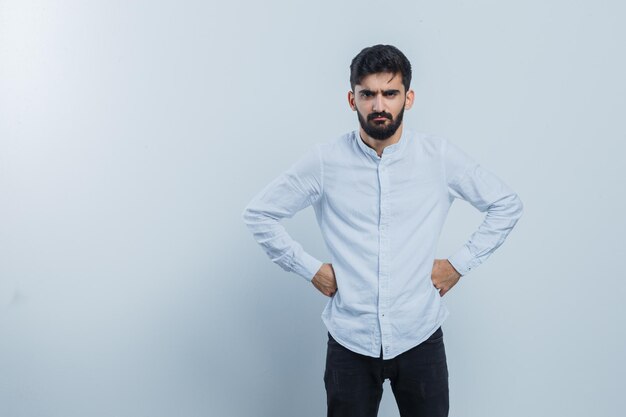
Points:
[(390, 93), (366, 93)]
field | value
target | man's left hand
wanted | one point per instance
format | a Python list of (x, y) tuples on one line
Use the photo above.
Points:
[(444, 276)]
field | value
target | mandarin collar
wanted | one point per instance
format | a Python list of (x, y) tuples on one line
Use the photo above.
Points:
[(391, 151)]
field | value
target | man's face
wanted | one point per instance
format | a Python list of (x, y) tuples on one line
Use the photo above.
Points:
[(379, 101)]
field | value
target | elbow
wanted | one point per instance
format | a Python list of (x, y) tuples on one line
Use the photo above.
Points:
[(247, 215), (510, 206), (519, 206), (254, 216)]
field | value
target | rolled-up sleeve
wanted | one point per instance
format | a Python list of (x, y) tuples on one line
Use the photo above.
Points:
[(295, 189), (469, 181)]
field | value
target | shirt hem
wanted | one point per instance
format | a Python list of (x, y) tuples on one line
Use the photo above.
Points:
[(348, 346)]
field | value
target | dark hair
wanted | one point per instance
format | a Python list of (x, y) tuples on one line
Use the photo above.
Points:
[(380, 58)]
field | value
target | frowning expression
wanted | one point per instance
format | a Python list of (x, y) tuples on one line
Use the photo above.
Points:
[(380, 100)]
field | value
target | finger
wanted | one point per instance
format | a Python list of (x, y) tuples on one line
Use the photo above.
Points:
[(324, 290)]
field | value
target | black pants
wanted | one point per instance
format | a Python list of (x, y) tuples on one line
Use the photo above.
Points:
[(419, 380)]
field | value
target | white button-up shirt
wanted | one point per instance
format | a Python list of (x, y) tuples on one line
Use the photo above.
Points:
[(381, 218)]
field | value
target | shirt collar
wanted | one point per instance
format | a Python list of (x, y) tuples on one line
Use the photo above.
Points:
[(391, 151)]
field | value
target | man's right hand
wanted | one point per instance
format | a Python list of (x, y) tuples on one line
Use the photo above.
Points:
[(324, 280)]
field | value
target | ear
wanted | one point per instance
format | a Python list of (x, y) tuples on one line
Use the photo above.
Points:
[(410, 97), (351, 102)]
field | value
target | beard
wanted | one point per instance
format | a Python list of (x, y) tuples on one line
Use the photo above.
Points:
[(380, 131)]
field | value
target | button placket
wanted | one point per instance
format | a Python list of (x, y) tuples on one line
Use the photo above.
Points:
[(383, 279)]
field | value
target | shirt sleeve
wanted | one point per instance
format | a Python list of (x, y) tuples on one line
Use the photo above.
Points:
[(292, 191), (469, 181)]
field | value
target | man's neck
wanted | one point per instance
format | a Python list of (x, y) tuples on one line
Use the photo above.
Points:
[(380, 145)]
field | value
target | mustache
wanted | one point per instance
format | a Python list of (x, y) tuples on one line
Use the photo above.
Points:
[(373, 116)]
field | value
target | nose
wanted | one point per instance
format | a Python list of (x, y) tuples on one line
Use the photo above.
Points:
[(378, 105)]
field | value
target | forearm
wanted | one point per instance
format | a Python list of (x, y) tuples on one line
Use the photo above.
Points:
[(293, 190), (501, 217), (279, 246)]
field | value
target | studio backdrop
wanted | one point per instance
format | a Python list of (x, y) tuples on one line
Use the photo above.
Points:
[(133, 134)]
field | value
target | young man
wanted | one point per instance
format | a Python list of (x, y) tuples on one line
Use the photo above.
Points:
[(381, 195)]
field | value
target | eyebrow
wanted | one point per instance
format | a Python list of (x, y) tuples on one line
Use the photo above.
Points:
[(392, 90)]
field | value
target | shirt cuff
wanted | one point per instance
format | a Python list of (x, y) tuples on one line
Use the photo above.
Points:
[(463, 261), (306, 266)]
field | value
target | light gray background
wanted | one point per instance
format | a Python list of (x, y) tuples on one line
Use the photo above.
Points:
[(132, 135)]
